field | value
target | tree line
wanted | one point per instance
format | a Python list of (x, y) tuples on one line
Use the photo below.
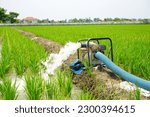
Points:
[(90, 20), (11, 17)]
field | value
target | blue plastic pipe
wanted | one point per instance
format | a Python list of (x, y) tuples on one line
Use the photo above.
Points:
[(122, 73)]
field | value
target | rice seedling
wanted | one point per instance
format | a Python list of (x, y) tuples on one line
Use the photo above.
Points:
[(5, 56), (85, 96), (68, 86), (52, 90), (35, 87), (8, 90), (59, 86), (19, 65), (64, 83)]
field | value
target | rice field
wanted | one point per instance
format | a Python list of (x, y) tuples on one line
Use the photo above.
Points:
[(21, 57), (131, 43), (19, 53)]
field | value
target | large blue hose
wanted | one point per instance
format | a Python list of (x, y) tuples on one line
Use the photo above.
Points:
[(122, 73)]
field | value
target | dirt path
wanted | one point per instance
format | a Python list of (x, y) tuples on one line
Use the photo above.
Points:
[(50, 46)]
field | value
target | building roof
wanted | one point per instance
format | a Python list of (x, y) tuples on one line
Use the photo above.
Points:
[(29, 19)]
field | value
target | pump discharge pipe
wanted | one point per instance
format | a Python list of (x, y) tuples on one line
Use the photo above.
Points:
[(122, 73)]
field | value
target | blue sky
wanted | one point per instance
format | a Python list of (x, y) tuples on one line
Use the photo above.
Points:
[(66, 9)]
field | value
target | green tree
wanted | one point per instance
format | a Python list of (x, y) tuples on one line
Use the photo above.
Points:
[(3, 16), (117, 19), (13, 16), (75, 20)]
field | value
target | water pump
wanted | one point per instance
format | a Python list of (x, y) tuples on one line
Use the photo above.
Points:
[(86, 54)]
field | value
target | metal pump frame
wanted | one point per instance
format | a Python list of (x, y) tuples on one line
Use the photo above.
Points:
[(88, 47)]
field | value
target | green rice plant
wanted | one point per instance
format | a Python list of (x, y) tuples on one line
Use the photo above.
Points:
[(59, 86), (35, 56), (68, 85), (8, 90), (60, 79), (5, 56), (34, 65), (35, 87), (52, 90), (64, 83), (4, 66), (19, 65), (85, 96)]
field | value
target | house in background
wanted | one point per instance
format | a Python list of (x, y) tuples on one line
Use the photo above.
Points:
[(31, 20)]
